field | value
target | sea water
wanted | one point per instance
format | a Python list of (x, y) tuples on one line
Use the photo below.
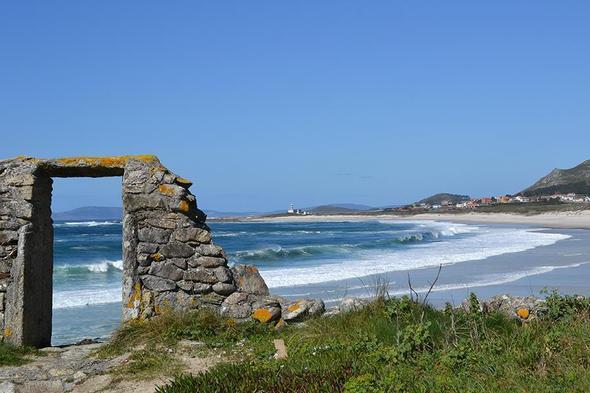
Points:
[(327, 260)]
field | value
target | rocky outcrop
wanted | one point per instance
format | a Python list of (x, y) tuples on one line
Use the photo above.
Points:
[(518, 307)]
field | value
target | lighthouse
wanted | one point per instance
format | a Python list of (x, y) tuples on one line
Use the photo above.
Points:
[(291, 209)]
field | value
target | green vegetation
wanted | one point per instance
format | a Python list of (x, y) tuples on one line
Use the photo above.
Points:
[(154, 343), (393, 345), (14, 356)]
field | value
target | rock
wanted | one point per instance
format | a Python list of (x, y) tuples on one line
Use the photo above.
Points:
[(153, 235), (41, 387), (223, 274), (236, 311), (164, 223), (209, 250), (192, 235), (301, 309), (95, 384), (186, 286), (223, 288), (166, 270), (266, 314), (158, 284), (249, 280), (207, 262), (177, 250), (201, 275), (179, 262), (202, 288), (7, 387), (147, 248), (518, 307), (352, 304)]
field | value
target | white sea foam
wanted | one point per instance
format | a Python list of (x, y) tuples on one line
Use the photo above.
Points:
[(86, 297), (484, 242), (87, 223), (97, 267), (105, 266), (488, 280)]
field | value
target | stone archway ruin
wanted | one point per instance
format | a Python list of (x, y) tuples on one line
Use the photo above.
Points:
[(168, 257)]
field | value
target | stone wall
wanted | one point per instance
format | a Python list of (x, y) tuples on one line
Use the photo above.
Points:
[(169, 260)]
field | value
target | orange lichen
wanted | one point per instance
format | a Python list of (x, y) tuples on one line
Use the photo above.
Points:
[(262, 315), (183, 206), (294, 307), (523, 313), (106, 162), (166, 189)]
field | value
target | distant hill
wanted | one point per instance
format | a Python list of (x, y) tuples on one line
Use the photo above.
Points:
[(438, 199), (576, 179), (90, 213), (220, 214), (352, 206), (331, 209)]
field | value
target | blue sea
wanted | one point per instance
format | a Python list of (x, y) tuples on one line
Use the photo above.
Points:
[(329, 260)]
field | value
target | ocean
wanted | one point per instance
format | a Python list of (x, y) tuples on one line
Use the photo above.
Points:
[(330, 260)]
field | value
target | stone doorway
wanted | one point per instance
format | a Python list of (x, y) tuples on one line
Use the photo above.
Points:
[(168, 257)]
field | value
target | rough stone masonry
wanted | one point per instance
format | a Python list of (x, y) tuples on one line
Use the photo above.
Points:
[(169, 260)]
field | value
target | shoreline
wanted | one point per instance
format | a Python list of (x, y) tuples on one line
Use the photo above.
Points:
[(557, 220)]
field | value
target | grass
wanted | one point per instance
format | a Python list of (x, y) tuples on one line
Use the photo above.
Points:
[(395, 345), (153, 344), (14, 356)]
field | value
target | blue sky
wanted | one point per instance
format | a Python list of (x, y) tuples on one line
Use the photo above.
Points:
[(264, 103)]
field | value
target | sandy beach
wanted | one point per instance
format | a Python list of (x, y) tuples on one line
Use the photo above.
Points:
[(572, 220)]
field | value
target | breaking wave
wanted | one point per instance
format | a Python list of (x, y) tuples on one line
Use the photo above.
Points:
[(98, 267), (376, 259), (86, 223)]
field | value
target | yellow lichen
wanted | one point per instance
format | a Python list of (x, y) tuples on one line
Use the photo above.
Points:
[(7, 332), (183, 206), (523, 313), (106, 162), (166, 189), (262, 315), (156, 257), (294, 307), (135, 295), (183, 182)]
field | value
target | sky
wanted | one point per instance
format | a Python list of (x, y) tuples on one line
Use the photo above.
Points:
[(266, 103)]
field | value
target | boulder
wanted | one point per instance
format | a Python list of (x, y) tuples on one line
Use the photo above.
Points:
[(249, 280), (351, 304), (266, 314), (518, 307), (302, 308)]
